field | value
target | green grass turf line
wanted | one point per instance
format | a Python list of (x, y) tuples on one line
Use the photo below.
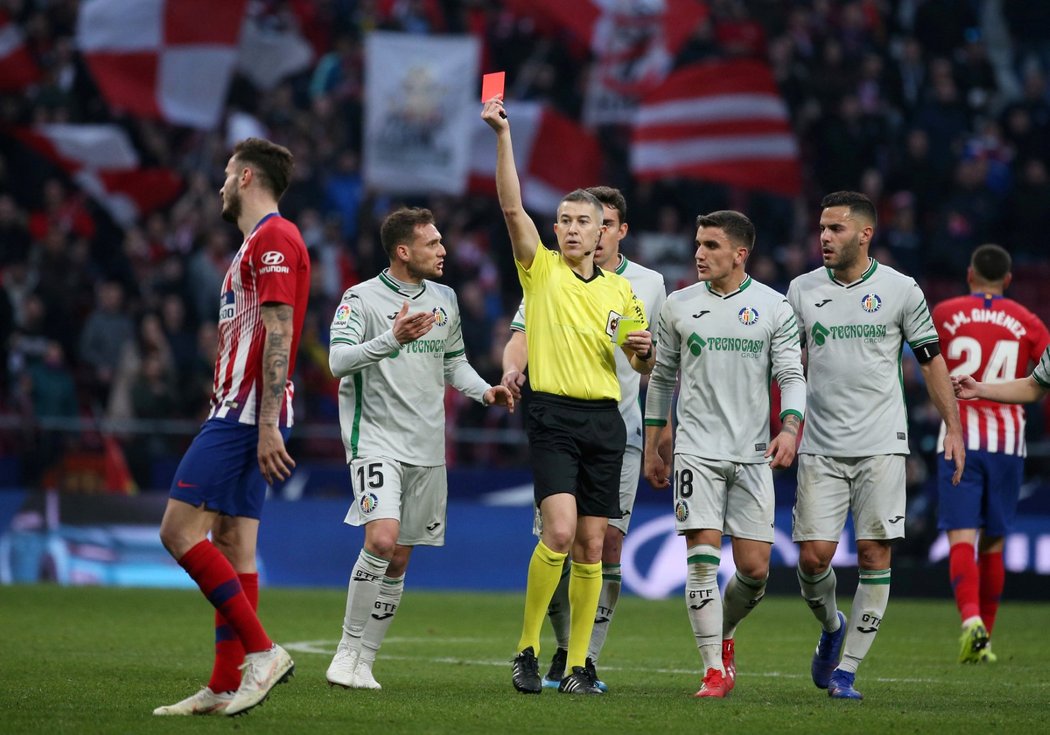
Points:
[(98, 660)]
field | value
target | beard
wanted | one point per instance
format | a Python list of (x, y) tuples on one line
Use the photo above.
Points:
[(231, 211), (417, 272)]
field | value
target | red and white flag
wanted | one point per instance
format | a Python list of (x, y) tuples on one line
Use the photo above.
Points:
[(271, 48), (553, 154), (170, 60), (633, 45), (103, 162), (17, 68), (723, 121)]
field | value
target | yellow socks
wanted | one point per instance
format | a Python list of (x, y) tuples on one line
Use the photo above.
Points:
[(544, 575), (585, 586)]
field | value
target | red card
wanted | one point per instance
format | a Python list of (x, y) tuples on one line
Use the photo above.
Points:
[(492, 85)]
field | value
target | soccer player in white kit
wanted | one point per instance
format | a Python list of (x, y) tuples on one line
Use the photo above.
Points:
[(648, 285), (855, 316), (727, 337), (395, 343)]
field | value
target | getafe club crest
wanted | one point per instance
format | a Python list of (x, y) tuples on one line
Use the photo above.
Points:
[(440, 316), (368, 503), (748, 316), (871, 303), (681, 512)]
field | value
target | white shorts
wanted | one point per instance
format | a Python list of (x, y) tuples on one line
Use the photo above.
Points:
[(828, 487), (416, 497), (732, 497), (630, 472)]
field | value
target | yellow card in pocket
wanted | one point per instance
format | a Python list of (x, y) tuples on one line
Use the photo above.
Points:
[(625, 327)]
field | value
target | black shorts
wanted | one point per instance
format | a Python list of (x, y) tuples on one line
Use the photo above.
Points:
[(577, 447)]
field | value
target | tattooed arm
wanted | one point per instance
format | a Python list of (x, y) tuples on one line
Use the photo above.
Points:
[(781, 452), (274, 461)]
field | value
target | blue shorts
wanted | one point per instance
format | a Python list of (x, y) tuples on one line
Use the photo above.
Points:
[(221, 470), (986, 496)]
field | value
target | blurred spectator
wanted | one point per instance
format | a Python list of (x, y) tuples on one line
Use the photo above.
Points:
[(14, 234), (205, 270), (102, 340), (152, 397), (149, 341)]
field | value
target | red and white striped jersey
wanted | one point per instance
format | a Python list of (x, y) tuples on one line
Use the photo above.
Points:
[(994, 339), (272, 266)]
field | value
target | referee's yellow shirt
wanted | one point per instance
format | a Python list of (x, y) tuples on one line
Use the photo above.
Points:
[(572, 327)]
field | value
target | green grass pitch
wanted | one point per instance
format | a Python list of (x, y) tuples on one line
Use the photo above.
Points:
[(90, 660)]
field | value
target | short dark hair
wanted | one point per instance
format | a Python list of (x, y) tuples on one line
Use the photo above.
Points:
[(271, 162), (736, 225), (611, 197), (583, 195), (991, 263), (858, 204), (400, 227)]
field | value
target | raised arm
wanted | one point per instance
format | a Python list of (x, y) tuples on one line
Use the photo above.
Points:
[(274, 461), (524, 237)]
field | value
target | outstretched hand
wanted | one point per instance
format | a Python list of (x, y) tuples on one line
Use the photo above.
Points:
[(965, 387), (499, 395)]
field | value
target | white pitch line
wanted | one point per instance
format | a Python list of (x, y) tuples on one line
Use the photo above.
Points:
[(327, 648)]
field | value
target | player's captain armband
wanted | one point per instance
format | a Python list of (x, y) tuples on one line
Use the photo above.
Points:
[(925, 353), (625, 327)]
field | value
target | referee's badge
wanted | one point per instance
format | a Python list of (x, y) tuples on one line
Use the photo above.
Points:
[(611, 324)]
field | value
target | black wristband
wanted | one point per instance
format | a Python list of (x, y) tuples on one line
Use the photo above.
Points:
[(647, 355)]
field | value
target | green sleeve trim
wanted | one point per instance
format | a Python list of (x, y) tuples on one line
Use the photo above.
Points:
[(457, 353), (656, 422), (1039, 380), (791, 412), (337, 341)]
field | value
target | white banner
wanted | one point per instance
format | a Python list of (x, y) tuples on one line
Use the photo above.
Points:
[(419, 106)]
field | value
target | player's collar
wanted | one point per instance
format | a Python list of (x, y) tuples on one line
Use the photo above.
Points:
[(405, 289), (618, 270), (872, 265), (743, 285), (260, 222)]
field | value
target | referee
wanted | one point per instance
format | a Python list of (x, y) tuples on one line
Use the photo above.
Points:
[(576, 434)]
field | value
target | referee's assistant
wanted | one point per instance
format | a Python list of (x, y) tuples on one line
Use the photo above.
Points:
[(576, 434)]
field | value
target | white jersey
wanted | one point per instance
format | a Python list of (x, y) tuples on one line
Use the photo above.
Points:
[(855, 334), (727, 348), (648, 285), (1041, 373), (391, 396)]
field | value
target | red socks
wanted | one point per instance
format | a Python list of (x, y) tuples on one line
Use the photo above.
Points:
[(229, 653), (215, 576), (993, 577), (962, 570)]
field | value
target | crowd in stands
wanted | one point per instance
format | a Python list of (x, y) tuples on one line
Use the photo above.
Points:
[(939, 110)]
